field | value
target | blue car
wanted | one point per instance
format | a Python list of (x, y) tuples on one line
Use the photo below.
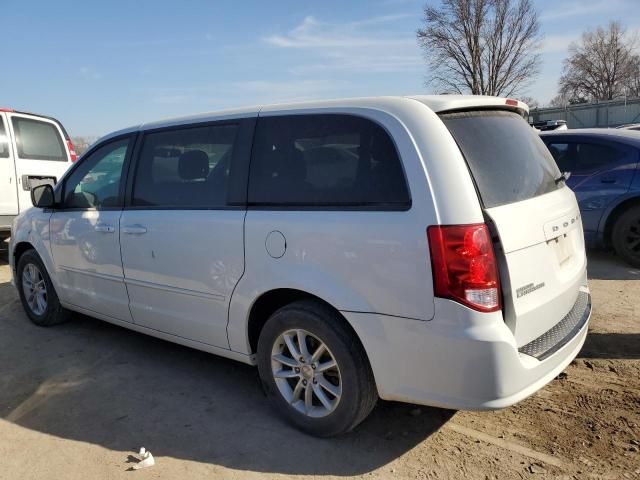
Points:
[(606, 180)]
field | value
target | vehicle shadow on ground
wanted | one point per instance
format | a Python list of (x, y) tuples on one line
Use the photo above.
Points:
[(605, 265), (611, 346), (93, 382)]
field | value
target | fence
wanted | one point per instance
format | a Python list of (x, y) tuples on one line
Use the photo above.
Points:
[(588, 115)]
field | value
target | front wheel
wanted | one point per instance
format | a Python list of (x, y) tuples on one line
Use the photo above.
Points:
[(38, 297), (625, 236), (314, 370)]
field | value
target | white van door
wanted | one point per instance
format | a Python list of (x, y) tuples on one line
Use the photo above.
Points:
[(182, 245), (41, 153), (8, 188), (84, 233)]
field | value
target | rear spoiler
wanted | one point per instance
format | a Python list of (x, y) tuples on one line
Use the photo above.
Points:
[(459, 103)]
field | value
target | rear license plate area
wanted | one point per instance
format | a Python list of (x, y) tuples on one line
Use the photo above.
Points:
[(562, 248)]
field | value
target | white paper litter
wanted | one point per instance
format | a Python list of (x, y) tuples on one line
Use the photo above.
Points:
[(147, 459)]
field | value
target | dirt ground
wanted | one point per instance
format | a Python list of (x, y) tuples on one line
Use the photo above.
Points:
[(77, 400)]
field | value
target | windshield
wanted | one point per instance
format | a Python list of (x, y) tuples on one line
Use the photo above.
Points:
[(506, 157)]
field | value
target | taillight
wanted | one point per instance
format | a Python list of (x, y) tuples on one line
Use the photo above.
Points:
[(464, 265), (72, 152), (511, 102)]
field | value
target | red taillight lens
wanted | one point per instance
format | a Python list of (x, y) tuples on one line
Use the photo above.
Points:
[(464, 265), (511, 102), (72, 152)]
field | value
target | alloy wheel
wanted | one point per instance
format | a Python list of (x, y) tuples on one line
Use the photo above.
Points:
[(34, 289), (306, 373)]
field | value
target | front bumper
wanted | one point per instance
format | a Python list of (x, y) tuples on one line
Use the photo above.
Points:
[(464, 360)]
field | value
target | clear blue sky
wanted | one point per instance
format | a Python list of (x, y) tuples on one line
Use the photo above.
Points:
[(100, 66)]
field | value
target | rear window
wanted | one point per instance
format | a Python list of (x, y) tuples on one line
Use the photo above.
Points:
[(38, 140), (325, 160), (506, 157)]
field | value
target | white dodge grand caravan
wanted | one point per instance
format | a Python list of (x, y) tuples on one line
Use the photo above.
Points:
[(419, 249), (34, 149)]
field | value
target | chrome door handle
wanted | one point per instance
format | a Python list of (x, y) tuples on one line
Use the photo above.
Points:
[(134, 229), (104, 228)]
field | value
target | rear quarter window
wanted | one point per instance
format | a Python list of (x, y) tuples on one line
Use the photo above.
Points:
[(325, 160), (37, 140), (506, 157)]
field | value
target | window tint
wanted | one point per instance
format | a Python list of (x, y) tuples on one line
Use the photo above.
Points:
[(325, 160), (505, 155), (595, 156), (4, 141), (38, 140), (95, 183), (187, 167), (585, 157), (564, 155)]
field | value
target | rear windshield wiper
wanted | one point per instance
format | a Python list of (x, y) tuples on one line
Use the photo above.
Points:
[(562, 178)]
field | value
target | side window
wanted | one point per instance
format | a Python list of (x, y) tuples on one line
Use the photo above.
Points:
[(564, 155), (325, 160), (4, 141), (38, 140), (185, 167), (595, 156), (95, 183)]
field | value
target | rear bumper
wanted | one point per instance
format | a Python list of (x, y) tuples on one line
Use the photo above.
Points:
[(457, 363)]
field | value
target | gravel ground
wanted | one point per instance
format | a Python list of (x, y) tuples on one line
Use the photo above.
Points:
[(78, 400)]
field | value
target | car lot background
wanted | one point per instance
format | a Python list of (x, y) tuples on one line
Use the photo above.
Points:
[(77, 401)]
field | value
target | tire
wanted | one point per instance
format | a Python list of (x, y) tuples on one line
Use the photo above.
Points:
[(32, 271), (625, 236), (348, 387)]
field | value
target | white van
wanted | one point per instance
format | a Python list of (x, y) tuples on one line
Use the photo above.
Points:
[(34, 149), (419, 249)]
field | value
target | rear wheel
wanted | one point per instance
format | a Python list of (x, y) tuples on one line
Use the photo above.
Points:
[(625, 236), (38, 297), (314, 371)]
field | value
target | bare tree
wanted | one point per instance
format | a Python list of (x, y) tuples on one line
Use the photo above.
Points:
[(530, 101), (559, 100), (632, 84), (602, 66), (481, 46), (562, 100), (82, 144)]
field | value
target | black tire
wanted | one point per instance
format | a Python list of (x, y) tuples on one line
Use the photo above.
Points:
[(54, 313), (625, 236), (358, 390)]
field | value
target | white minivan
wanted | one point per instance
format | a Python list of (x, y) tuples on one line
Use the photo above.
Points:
[(34, 149), (419, 249)]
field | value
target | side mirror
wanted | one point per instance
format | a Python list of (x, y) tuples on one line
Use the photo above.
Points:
[(42, 196)]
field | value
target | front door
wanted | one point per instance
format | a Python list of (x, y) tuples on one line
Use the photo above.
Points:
[(85, 236), (8, 189), (182, 245)]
